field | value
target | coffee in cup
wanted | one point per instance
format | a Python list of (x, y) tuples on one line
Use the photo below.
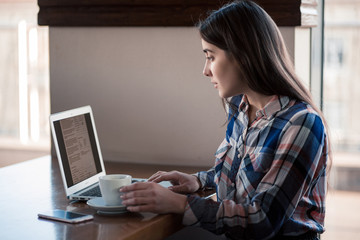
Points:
[(110, 185)]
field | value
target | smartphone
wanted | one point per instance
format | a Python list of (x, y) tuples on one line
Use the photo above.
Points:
[(65, 216)]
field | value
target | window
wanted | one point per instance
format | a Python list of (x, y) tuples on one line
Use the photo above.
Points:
[(24, 77), (342, 77), (334, 52)]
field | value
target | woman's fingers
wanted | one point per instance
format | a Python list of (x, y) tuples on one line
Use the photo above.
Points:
[(151, 197), (134, 187), (133, 194), (134, 201), (156, 175), (172, 176), (138, 194), (182, 182)]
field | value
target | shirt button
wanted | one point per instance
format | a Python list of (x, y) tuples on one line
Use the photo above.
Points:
[(239, 155), (233, 184)]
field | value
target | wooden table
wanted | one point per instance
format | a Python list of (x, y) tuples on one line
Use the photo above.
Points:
[(36, 185)]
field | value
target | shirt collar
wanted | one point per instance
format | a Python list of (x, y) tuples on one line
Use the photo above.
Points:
[(276, 104)]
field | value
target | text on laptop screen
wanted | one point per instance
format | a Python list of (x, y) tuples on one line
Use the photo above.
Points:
[(77, 145)]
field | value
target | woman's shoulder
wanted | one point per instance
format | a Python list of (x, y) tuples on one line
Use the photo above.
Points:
[(299, 112)]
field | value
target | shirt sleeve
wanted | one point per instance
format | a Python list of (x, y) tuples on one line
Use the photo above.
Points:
[(206, 178), (291, 172)]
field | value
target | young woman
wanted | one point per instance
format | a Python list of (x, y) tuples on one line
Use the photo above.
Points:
[(270, 170)]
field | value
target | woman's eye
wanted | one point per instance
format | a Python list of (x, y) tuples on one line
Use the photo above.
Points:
[(210, 58)]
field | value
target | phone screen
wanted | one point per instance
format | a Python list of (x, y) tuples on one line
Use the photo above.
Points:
[(65, 216)]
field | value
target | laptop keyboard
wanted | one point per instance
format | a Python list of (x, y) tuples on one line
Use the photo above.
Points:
[(92, 192)]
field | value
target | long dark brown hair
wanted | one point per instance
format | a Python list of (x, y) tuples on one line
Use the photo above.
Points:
[(249, 35)]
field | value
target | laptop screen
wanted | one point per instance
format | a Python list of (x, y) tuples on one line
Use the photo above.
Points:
[(77, 145)]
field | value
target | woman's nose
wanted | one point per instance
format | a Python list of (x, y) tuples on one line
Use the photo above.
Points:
[(206, 71)]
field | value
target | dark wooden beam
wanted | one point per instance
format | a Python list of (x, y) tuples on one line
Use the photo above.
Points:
[(161, 12)]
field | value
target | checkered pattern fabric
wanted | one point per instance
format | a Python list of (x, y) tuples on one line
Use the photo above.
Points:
[(270, 174)]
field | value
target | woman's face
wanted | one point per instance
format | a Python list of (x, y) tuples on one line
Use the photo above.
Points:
[(223, 71)]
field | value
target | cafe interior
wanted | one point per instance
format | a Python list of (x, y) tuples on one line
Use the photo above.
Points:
[(139, 64)]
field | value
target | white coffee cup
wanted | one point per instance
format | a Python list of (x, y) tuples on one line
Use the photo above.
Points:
[(110, 185)]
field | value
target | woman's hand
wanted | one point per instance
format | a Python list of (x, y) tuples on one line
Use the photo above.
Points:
[(152, 197), (182, 182)]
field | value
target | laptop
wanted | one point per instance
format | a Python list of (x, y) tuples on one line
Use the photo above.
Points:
[(78, 152)]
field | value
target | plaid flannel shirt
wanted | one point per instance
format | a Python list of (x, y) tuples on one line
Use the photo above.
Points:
[(270, 176)]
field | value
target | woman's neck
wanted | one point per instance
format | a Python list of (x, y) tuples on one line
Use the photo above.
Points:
[(257, 102)]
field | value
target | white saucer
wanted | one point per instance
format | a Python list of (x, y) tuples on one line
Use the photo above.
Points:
[(99, 204)]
